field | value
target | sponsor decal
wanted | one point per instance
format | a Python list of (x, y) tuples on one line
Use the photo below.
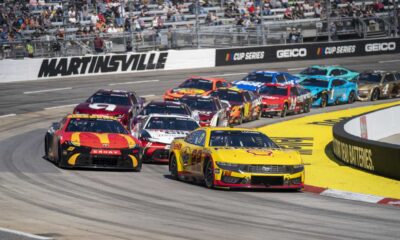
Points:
[(336, 50), (53, 67), (240, 56), (105, 152), (354, 155), (267, 153), (291, 53), (380, 47), (328, 122)]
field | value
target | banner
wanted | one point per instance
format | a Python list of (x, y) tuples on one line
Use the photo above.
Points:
[(307, 51)]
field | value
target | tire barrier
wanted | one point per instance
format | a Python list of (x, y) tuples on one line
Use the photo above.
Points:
[(355, 142)]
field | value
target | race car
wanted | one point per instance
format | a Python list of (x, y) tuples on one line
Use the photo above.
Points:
[(254, 80), (166, 107), (195, 86), (211, 111), (91, 141), (157, 131), (279, 99), (242, 105), (374, 85), (330, 90), (235, 158), (123, 105), (328, 71)]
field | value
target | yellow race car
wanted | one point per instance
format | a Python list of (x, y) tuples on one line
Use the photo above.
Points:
[(227, 157)]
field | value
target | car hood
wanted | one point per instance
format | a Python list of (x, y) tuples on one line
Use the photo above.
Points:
[(165, 136), (366, 85), (315, 90), (268, 99), (102, 109), (248, 85), (100, 140), (187, 91), (256, 156)]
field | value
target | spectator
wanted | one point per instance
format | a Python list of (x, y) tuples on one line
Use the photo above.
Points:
[(29, 48), (288, 14), (98, 44)]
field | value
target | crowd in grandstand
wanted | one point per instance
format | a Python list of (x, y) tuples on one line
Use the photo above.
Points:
[(32, 19)]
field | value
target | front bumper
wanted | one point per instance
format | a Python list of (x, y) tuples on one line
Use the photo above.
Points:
[(229, 179), (363, 96), (82, 157), (156, 152)]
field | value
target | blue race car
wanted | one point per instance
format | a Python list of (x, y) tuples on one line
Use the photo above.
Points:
[(330, 90), (328, 71), (255, 80)]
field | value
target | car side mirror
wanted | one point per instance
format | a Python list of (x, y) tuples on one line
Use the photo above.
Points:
[(55, 126)]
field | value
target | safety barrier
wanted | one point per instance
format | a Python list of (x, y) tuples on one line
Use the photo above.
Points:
[(43, 68), (356, 142)]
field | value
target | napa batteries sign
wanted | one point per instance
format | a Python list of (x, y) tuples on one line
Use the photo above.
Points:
[(307, 51)]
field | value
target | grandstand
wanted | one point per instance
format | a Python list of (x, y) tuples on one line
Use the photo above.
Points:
[(59, 27)]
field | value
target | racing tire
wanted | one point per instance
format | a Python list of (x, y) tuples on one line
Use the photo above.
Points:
[(352, 97), (240, 119), (375, 95), (59, 161), (284, 110), (258, 116), (209, 174), (307, 107), (46, 148), (324, 100), (139, 166), (173, 167)]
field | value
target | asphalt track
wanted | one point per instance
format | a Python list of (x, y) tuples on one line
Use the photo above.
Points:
[(39, 198)]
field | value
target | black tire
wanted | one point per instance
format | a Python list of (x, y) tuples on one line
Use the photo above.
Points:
[(324, 100), (209, 174), (173, 167), (258, 115), (139, 166), (375, 95), (59, 161), (240, 119), (307, 107), (46, 148), (284, 110), (352, 97)]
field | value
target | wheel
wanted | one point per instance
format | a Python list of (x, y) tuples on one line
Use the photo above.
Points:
[(240, 119), (307, 107), (324, 100), (139, 166), (209, 175), (58, 161), (46, 148), (258, 116), (352, 97), (284, 110), (375, 95), (173, 167)]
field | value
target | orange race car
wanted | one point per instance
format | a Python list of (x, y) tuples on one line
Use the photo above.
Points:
[(195, 86)]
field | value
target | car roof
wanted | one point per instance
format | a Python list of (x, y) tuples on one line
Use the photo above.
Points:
[(91, 116), (165, 103), (211, 79), (169, 115), (198, 96), (113, 91), (266, 72), (229, 129), (235, 89)]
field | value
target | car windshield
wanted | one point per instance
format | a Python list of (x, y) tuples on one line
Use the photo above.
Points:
[(95, 125), (198, 84), (312, 71), (240, 139), (259, 77), (230, 96), (200, 104), (164, 109), (370, 77), (110, 98), (274, 90), (171, 123), (312, 82)]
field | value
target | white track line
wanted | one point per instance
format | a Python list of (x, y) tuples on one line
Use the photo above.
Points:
[(295, 69), (23, 234), (351, 196), (226, 74), (48, 90), (126, 83), (62, 106), (390, 61), (149, 95), (8, 115)]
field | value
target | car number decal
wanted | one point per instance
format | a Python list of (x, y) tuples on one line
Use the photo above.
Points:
[(106, 106)]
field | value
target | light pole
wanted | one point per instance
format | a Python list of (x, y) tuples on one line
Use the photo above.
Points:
[(396, 18), (328, 19), (262, 21), (197, 23)]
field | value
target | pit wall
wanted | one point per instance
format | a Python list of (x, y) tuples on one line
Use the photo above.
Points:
[(81, 66), (355, 142)]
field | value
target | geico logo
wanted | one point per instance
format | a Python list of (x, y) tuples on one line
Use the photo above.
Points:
[(340, 49), (377, 47), (248, 56), (290, 53)]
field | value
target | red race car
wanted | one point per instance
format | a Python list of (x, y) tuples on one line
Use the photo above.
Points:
[(92, 141), (195, 86), (123, 105), (281, 99)]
